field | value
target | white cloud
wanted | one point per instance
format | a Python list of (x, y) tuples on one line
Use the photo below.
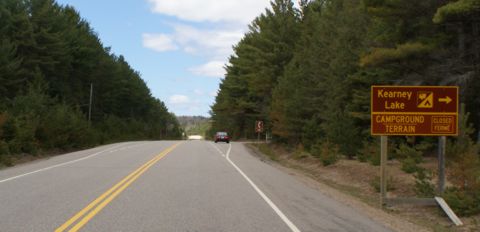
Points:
[(211, 10), (210, 69), (228, 20), (178, 99), (213, 93), (215, 44), (159, 42)]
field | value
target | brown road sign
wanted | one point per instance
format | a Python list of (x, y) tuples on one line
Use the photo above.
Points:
[(414, 110), (259, 126)]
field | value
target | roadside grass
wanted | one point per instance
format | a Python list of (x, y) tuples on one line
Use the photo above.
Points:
[(265, 150)]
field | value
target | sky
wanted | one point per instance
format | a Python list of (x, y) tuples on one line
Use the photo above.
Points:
[(180, 47)]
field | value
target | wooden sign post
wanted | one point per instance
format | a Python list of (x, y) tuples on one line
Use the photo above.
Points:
[(258, 128)]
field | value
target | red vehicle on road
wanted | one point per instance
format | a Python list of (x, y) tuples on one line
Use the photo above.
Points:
[(222, 137)]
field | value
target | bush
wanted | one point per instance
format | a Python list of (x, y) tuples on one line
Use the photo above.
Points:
[(410, 156), (464, 163), (20, 134), (404, 151), (370, 152), (340, 129), (300, 152), (4, 150), (409, 165), (20, 129), (463, 203), (423, 185), (65, 128), (327, 152), (5, 158)]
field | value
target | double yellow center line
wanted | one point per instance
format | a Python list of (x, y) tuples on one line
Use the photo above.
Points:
[(98, 204)]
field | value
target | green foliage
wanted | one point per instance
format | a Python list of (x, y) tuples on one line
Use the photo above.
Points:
[(381, 56), (456, 9), (370, 152), (65, 128), (463, 157), (327, 152), (463, 203), (410, 156), (49, 58), (409, 165), (5, 158), (300, 152), (461, 144), (341, 130), (267, 150), (260, 59), (423, 183)]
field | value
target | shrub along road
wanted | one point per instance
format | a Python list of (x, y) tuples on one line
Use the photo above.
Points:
[(166, 186)]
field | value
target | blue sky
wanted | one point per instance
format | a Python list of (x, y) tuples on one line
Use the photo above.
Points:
[(178, 46)]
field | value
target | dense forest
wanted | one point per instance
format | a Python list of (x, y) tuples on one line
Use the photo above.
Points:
[(307, 73), (49, 59)]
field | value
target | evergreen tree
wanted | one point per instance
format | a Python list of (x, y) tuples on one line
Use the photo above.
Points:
[(49, 57), (259, 60)]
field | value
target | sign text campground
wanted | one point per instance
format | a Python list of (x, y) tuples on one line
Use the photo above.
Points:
[(414, 110)]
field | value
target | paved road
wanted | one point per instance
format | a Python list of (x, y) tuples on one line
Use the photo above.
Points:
[(166, 186)]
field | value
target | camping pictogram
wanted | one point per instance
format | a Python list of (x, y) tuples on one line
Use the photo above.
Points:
[(425, 100)]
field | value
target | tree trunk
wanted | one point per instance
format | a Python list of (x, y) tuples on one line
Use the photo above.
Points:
[(461, 40)]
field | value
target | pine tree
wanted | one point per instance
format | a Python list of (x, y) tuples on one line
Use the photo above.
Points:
[(259, 60)]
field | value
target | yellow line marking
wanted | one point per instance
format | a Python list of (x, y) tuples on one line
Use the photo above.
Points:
[(96, 201), (116, 189)]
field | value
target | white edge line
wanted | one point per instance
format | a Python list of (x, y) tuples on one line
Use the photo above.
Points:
[(265, 198), (69, 162), (218, 150)]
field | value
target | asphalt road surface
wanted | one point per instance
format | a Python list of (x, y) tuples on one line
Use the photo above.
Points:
[(166, 186)]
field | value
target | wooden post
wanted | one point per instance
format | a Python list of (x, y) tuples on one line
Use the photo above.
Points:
[(442, 140), (383, 171)]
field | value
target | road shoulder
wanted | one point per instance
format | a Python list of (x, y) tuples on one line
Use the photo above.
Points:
[(389, 220)]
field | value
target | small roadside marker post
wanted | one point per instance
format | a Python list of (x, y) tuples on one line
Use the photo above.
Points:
[(258, 129), (383, 169), (442, 141)]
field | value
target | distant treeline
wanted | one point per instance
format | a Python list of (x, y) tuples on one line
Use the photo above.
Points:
[(307, 72), (49, 58), (194, 125)]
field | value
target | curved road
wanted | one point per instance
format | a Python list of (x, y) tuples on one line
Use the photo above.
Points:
[(166, 186)]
